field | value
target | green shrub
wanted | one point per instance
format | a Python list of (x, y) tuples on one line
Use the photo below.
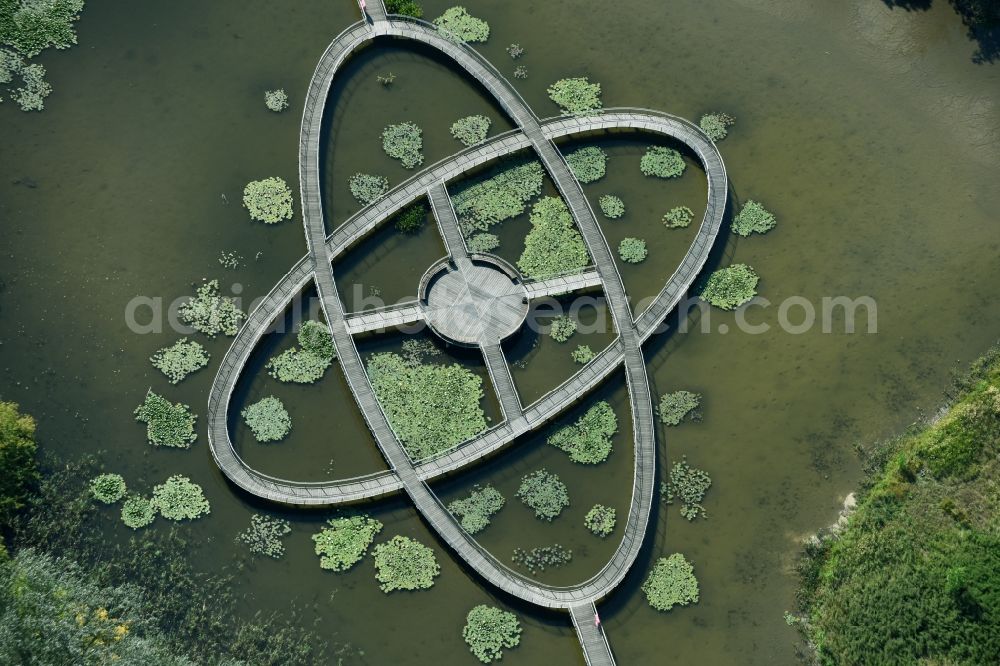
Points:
[(671, 583), (553, 246), (209, 313), (18, 468), (689, 484), (108, 488), (166, 424), (402, 563), (308, 363), (367, 188), (562, 328), (431, 408), (483, 243), (476, 510), (678, 217), (137, 512), (753, 218), (674, 407), (662, 162), (576, 97), (716, 125), (542, 558), (543, 493), (471, 129), (345, 541), (180, 359), (456, 23), (600, 520), (588, 164), (267, 419), (404, 8), (178, 498), (498, 198), (404, 142), (583, 354), (730, 287), (276, 100), (489, 630), (632, 250), (612, 207), (264, 536), (32, 27), (412, 218), (268, 200), (588, 441)]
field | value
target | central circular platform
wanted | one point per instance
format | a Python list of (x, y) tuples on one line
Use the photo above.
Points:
[(474, 302)]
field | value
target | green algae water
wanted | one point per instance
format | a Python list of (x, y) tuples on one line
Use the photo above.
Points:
[(868, 131)]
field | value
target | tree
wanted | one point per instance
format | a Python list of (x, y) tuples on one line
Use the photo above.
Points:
[(18, 467)]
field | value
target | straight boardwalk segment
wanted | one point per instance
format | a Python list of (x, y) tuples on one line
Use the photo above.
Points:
[(447, 221), (411, 476)]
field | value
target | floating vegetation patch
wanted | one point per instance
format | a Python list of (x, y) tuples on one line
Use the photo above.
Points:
[(671, 583), (180, 359), (553, 246), (600, 520), (231, 260), (431, 408), (498, 198), (402, 563), (588, 441), (178, 498), (366, 187), (412, 218), (404, 142), (716, 125), (265, 534), (138, 512), (476, 510), (562, 328), (662, 162), (167, 424), (583, 354), (690, 485), (753, 218), (471, 129), (540, 559), (576, 97), (588, 164), (108, 488), (731, 287), (276, 100), (483, 243), (415, 352), (344, 541), (34, 88), (269, 200), (515, 51), (404, 8), (678, 218), (456, 23), (307, 363), (488, 630), (675, 407), (209, 313), (632, 250), (612, 207), (267, 419), (520, 72), (543, 493)]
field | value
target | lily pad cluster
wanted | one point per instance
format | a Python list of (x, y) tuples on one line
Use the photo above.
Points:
[(488, 630), (577, 96), (562, 328), (498, 198), (345, 540), (600, 520), (267, 419), (588, 164), (612, 206), (404, 142), (542, 558), (543, 493), (662, 162), (678, 218), (167, 424), (583, 354), (753, 218), (632, 250), (403, 563), (675, 407), (366, 188), (471, 129), (308, 362), (690, 485), (554, 246), (671, 583), (476, 510), (108, 488), (268, 200), (180, 359), (730, 287), (457, 24), (265, 534), (210, 313), (716, 125), (588, 441), (178, 498), (276, 100)]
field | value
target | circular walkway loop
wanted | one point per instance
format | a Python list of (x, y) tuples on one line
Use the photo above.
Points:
[(406, 474)]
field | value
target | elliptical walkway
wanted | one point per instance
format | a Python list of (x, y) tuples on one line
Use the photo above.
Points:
[(405, 473)]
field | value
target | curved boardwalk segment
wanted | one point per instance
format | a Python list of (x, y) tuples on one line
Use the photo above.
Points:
[(411, 476)]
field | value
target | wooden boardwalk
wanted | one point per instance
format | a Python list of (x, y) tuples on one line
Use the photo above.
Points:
[(405, 474), (596, 650)]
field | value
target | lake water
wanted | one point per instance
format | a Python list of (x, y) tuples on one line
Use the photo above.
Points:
[(868, 131)]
